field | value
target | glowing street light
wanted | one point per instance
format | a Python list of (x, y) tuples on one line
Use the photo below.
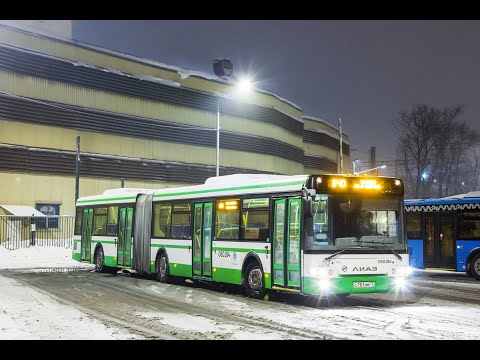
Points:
[(375, 168), (243, 86)]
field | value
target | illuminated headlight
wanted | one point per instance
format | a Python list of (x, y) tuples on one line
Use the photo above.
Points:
[(324, 284), (400, 283)]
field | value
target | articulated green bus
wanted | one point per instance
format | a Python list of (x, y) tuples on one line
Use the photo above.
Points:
[(309, 234)]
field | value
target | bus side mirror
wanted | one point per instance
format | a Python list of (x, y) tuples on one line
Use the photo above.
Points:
[(308, 195)]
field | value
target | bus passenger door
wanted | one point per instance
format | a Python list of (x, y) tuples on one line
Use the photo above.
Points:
[(286, 242), (86, 241), (439, 244), (125, 236), (202, 240)]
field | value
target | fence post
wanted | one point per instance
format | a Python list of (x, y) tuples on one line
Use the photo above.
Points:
[(33, 229)]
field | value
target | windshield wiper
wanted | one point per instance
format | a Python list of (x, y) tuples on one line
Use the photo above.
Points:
[(341, 251), (391, 250)]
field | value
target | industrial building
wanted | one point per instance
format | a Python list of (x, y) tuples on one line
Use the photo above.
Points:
[(142, 124)]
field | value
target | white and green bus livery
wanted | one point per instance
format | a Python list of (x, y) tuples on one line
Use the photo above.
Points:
[(309, 234)]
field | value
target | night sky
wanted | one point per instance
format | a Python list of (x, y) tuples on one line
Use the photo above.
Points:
[(362, 71)]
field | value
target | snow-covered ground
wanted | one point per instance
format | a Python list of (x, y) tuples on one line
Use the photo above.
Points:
[(439, 312), (28, 314)]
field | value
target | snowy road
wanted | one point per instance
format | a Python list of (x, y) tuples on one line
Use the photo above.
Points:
[(439, 307)]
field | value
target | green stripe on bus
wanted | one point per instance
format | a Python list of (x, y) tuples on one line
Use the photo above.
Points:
[(103, 241), (231, 276), (344, 284), (260, 251), (111, 261), (198, 191), (172, 246), (77, 256), (181, 270), (229, 189), (98, 241), (234, 276), (109, 199)]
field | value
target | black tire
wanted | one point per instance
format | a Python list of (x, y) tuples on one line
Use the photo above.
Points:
[(475, 266), (254, 282), (161, 268), (100, 260)]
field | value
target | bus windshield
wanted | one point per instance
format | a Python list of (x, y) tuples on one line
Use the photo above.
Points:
[(345, 220)]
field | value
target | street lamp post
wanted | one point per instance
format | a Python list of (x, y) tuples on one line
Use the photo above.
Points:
[(243, 86), (222, 67)]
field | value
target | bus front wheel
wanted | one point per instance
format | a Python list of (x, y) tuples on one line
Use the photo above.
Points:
[(254, 282), (475, 266)]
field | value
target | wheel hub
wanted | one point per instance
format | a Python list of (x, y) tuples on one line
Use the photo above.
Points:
[(476, 266), (163, 267), (255, 279)]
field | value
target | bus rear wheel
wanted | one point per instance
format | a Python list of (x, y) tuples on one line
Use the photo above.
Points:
[(163, 274), (254, 282), (99, 259), (475, 266)]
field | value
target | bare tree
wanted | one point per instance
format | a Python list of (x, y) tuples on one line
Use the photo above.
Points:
[(427, 136), (472, 171)]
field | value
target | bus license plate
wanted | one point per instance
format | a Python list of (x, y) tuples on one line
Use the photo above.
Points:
[(364, 284)]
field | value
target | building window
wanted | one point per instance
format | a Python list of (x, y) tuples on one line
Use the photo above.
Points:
[(52, 211)]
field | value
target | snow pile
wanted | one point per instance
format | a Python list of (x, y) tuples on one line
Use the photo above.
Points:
[(39, 257)]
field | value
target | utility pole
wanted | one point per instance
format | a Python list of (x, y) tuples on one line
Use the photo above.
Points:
[(77, 169), (341, 141), (372, 158), (218, 138)]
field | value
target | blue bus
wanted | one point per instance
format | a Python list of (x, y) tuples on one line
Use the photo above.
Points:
[(444, 233)]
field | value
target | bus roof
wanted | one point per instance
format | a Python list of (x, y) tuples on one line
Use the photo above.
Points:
[(445, 203), (228, 185)]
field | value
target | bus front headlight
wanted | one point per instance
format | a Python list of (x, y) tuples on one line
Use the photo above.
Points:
[(400, 283)]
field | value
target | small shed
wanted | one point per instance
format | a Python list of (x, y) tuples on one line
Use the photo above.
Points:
[(19, 210), (15, 222)]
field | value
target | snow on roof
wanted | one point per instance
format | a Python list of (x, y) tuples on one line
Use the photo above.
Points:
[(183, 73), (472, 194), (243, 178), (313, 118), (21, 210), (221, 186), (279, 98), (127, 191)]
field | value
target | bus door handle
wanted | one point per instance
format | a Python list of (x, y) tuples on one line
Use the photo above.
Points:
[(266, 249), (115, 239)]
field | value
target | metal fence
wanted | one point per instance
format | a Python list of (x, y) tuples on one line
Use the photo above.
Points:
[(25, 231)]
